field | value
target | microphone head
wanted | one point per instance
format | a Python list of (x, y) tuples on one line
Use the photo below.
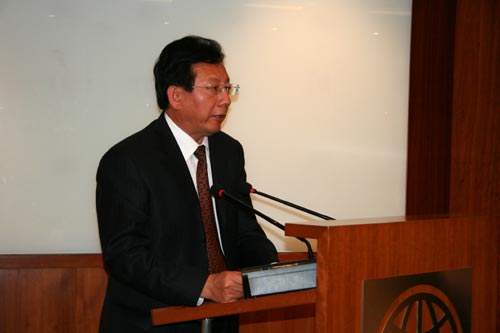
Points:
[(217, 191)]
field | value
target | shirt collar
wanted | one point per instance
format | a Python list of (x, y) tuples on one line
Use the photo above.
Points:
[(185, 142)]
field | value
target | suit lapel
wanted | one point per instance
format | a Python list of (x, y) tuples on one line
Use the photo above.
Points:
[(175, 163), (217, 160), (219, 170)]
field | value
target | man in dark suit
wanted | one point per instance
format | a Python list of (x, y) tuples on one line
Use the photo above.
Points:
[(149, 214)]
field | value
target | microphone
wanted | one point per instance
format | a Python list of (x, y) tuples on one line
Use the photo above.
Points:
[(248, 188), (273, 278), (219, 192)]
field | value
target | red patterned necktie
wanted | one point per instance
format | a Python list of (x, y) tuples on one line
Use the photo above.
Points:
[(215, 257)]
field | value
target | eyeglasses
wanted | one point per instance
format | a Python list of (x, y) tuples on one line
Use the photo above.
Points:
[(230, 89)]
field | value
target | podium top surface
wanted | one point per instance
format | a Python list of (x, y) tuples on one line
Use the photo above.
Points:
[(177, 314), (314, 229)]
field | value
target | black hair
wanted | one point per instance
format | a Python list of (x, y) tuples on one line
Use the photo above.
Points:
[(174, 65)]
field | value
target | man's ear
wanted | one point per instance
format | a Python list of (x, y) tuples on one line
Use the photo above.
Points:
[(175, 95)]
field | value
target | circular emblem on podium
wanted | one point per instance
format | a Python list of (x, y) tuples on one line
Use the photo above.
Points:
[(421, 309)]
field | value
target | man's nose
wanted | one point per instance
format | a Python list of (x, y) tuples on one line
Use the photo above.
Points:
[(224, 98)]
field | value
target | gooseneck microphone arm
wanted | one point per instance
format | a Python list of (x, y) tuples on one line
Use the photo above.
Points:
[(219, 192), (247, 188)]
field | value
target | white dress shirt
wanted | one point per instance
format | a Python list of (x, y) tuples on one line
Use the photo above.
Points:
[(188, 146)]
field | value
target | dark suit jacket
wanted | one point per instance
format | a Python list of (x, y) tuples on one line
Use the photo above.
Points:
[(151, 230)]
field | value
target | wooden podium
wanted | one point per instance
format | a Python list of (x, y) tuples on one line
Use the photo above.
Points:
[(353, 251)]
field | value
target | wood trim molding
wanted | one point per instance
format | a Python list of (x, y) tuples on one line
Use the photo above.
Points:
[(81, 260), (23, 261)]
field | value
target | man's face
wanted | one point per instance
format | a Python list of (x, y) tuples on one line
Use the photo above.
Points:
[(201, 112)]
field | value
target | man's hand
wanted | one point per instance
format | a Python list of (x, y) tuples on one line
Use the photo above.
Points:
[(223, 287)]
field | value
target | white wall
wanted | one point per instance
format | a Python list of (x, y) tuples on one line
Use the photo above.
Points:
[(322, 112)]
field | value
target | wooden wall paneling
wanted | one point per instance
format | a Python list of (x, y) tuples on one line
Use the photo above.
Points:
[(51, 293), (430, 106), (36, 300), (475, 171), (90, 291), (57, 303), (8, 299)]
